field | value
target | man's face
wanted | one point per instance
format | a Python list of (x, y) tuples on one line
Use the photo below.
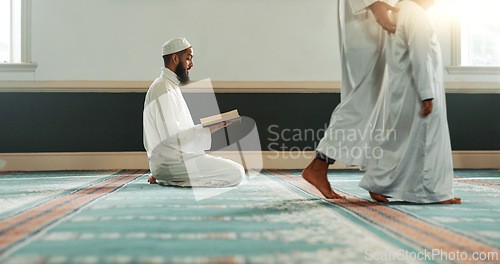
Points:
[(184, 66)]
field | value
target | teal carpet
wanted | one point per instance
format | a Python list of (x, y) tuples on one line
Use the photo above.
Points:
[(275, 217)]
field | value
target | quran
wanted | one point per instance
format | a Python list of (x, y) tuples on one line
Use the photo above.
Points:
[(230, 116)]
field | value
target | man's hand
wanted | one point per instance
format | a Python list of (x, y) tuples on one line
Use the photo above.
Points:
[(215, 127), (427, 108), (379, 10)]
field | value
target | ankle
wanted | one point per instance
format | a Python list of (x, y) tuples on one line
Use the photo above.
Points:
[(320, 164)]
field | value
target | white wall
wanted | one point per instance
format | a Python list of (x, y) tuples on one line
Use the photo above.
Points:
[(234, 40)]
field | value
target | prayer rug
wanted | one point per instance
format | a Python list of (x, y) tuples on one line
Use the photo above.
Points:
[(274, 217)]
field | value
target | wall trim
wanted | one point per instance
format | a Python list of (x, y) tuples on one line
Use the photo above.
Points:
[(453, 69), (18, 67), (218, 87), (138, 160), (473, 87)]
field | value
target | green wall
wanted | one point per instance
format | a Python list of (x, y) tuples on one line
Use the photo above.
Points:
[(102, 122)]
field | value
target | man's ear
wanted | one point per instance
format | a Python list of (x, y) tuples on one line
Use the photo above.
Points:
[(175, 59)]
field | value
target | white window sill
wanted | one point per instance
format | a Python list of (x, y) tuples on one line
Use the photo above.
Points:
[(18, 67), (473, 69)]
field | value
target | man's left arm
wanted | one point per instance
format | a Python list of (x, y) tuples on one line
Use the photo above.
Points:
[(420, 32)]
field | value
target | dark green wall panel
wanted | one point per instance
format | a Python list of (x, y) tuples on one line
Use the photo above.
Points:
[(474, 121), (70, 122), (100, 122)]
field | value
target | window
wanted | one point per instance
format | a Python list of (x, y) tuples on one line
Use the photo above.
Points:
[(15, 36), (4, 31), (476, 41)]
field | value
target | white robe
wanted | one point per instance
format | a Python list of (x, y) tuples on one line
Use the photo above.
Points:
[(175, 146), (416, 165), (347, 139)]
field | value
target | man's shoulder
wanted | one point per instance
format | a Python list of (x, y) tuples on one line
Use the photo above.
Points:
[(410, 8), (159, 87), (411, 13)]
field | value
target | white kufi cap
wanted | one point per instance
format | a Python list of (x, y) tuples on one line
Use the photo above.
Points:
[(175, 45)]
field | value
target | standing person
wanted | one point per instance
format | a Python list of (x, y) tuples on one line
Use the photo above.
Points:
[(363, 69), (417, 167), (175, 146)]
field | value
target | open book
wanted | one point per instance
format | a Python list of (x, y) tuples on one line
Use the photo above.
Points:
[(231, 116)]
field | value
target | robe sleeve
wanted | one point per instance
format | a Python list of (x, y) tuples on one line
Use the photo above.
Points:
[(193, 139), (169, 124), (359, 6), (420, 33)]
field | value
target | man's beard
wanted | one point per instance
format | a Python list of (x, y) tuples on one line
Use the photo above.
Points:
[(182, 74)]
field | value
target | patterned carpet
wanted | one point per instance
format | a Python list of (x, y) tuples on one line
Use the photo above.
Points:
[(275, 217)]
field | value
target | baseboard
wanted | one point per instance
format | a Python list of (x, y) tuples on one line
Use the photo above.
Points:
[(138, 160), (73, 161)]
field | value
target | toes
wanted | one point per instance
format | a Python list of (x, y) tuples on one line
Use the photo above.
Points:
[(152, 180), (337, 196), (333, 195), (378, 197)]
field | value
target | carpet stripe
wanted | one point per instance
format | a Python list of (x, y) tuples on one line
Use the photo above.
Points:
[(18, 228), (429, 222), (400, 224), (47, 207), (56, 197), (485, 183)]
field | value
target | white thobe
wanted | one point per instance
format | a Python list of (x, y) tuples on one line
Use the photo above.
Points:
[(347, 139), (175, 146), (416, 165)]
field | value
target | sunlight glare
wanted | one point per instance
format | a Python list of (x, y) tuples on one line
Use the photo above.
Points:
[(477, 11)]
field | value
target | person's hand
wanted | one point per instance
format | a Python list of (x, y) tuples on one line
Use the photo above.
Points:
[(427, 108), (215, 127), (379, 10)]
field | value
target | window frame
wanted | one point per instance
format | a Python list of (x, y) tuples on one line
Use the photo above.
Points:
[(457, 67), (25, 64)]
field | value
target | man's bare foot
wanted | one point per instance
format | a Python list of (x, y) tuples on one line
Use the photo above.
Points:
[(152, 180), (379, 197), (316, 174), (451, 201)]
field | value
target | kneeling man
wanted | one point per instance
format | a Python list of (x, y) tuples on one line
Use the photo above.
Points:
[(175, 146)]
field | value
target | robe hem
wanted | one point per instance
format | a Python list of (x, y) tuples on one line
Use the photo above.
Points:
[(409, 197)]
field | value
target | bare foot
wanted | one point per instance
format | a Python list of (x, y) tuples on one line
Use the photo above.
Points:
[(152, 180), (451, 201), (315, 174), (379, 197)]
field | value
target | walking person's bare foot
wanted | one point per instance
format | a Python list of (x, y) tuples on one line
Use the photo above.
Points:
[(316, 174), (152, 180), (379, 197), (451, 201)]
